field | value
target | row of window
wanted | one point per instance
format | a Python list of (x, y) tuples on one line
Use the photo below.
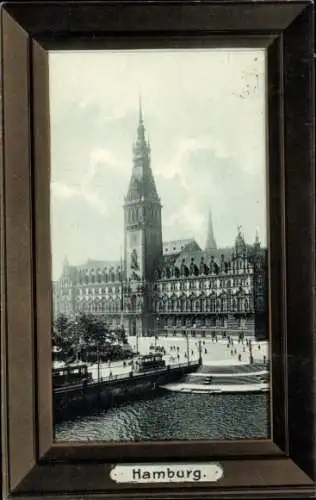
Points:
[(202, 284), (185, 271), (205, 305), (137, 214), (208, 322), (100, 291)]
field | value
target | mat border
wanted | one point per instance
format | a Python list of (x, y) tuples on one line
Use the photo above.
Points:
[(32, 464)]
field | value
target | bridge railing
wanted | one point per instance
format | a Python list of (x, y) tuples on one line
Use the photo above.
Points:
[(135, 373), (126, 376)]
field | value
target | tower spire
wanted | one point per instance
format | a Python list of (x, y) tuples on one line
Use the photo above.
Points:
[(210, 240), (142, 183), (140, 109), (140, 140)]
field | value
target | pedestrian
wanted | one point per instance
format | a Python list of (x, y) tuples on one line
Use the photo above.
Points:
[(205, 351), (259, 347), (239, 357), (235, 351)]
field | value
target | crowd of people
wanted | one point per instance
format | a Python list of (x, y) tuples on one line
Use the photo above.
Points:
[(237, 349)]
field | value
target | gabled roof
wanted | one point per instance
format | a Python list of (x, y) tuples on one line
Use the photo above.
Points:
[(174, 247), (98, 264), (199, 254)]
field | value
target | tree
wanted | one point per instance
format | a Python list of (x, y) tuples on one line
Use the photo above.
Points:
[(62, 336), (121, 335), (93, 330), (61, 328)]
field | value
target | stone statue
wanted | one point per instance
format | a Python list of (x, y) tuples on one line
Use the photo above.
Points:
[(134, 260)]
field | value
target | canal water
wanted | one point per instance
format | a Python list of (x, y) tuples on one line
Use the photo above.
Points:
[(165, 415)]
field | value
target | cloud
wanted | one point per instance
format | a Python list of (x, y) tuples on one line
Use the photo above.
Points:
[(185, 148), (101, 162), (60, 190), (101, 157)]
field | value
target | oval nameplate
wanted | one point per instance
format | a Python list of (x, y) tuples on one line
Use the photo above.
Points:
[(167, 473)]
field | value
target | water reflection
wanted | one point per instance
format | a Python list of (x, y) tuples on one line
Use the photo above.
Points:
[(174, 416)]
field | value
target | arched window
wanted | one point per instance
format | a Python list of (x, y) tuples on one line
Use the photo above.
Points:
[(240, 304), (197, 306)]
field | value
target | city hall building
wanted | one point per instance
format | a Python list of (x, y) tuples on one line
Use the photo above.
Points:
[(173, 287)]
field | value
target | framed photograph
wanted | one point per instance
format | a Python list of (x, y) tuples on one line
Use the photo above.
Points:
[(158, 249)]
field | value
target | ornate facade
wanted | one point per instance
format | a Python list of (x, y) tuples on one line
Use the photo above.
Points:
[(168, 288)]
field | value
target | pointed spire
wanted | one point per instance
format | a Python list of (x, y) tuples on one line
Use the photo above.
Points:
[(142, 184), (240, 245), (257, 244), (257, 239), (140, 109), (66, 267), (210, 240), (141, 141)]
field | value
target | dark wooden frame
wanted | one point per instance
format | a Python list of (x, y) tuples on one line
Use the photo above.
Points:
[(32, 464)]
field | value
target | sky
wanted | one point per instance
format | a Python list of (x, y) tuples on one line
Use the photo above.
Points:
[(204, 112)]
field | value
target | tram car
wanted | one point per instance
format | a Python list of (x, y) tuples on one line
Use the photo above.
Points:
[(151, 362), (71, 375)]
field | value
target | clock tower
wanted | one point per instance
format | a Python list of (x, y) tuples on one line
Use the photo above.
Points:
[(142, 233)]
